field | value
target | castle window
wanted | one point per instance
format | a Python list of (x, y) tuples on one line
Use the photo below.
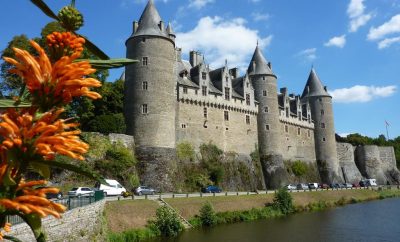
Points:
[(183, 126), (204, 75), (322, 112), (227, 93), (320, 99), (185, 90), (227, 80), (247, 119), (144, 109), (205, 114), (266, 109), (323, 139), (195, 91), (144, 85), (309, 118), (247, 84), (145, 61), (267, 127), (143, 39), (248, 99), (263, 78), (287, 112), (308, 133), (299, 114), (204, 90), (298, 131), (286, 129), (226, 115), (323, 125), (264, 93)]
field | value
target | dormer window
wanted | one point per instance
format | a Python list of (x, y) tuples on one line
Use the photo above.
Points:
[(227, 93), (145, 61), (203, 75), (264, 93), (247, 84), (322, 112), (248, 99), (144, 85), (204, 90), (185, 90), (247, 119)]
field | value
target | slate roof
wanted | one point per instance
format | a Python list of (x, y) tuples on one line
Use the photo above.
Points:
[(149, 22), (314, 87), (261, 64)]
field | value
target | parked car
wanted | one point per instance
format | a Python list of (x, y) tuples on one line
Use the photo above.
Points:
[(356, 184), (211, 189), (323, 186), (302, 186), (347, 185), (363, 183), (81, 192), (371, 182), (58, 195), (313, 185), (334, 185), (112, 187), (144, 190), (291, 187)]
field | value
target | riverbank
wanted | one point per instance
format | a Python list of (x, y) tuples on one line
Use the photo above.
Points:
[(128, 218)]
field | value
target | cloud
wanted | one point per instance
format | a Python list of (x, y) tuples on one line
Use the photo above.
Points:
[(310, 54), (198, 4), (358, 18), (338, 41), (388, 42), (390, 27), (260, 16), (361, 94), (219, 39)]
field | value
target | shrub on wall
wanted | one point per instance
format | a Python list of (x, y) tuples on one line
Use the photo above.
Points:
[(185, 151), (299, 168)]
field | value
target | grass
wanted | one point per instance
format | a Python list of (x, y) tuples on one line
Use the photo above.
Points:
[(125, 215)]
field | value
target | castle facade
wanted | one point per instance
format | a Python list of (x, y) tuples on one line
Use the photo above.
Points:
[(169, 100)]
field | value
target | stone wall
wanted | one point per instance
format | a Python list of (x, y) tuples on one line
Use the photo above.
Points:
[(79, 224), (127, 140), (378, 162), (234, 135), (298, 142), (345, 151)]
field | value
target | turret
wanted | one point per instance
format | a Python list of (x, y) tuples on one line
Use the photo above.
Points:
[(324, 134), (265, 84), (149, 105)]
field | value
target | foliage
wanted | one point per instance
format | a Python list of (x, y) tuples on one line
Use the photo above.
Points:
[(134, 235), (299, 168), (167, 222), (107, 123), (185, 151), (207, 215), (283, 202), (210, 152)]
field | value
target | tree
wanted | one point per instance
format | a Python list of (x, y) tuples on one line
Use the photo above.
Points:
[(207, 215), (283, 201)]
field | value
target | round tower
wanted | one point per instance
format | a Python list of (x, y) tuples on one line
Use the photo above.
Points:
[(149, 105), (265, 91), (324, 129)]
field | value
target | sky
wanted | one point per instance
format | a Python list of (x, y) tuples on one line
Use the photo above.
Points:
[(354, 45)]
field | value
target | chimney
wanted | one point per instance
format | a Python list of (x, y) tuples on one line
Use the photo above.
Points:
[(135, 26), (283, 91), (193, 58), (234, 72), (199, 57), (178, 52)]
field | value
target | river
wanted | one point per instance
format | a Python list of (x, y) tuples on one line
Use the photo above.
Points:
[(370, 221)]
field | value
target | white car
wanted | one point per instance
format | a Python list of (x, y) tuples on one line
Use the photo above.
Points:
[(112, 187), (291, 187), (81, 192)]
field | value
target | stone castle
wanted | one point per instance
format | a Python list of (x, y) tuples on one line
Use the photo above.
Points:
[(169, 100)]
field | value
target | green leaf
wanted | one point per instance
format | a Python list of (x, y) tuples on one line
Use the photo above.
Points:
[(34, 221), (11, 238), (109, 64), (73, 168), (45, 9), (43, 170), (7, 180), (9, 103), (94, 49)]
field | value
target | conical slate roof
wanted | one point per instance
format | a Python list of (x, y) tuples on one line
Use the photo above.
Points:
[(149, 22), (314, 87), (169, 30), (261, 65)]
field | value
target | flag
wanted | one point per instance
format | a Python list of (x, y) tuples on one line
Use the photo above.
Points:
[(387, 123)]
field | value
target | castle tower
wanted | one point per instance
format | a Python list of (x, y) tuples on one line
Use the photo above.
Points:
[(324, 134), (265, 84), (150, 100)]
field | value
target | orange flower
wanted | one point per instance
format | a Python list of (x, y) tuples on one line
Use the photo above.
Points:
[(46, 136), (53, 84), (34, 201), (65, 43)]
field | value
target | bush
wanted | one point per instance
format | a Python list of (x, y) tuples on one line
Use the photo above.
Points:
[(167, 222), (299, 168), (283, 202), (108, 123), (185, 151), (207, 215)]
